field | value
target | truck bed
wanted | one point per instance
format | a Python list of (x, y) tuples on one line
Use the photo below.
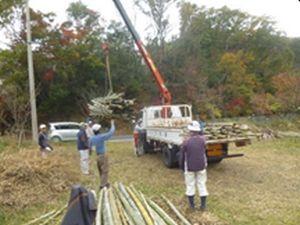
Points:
[(175, 136)]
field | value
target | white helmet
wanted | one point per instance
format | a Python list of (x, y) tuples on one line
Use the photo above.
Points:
[(43, 126), (194, 126), (96, 127)]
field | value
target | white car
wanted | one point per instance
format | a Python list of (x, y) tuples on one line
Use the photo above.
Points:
[(63, 131)]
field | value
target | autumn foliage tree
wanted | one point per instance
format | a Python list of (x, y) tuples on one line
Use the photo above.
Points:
[(224, 62), (287, 93)]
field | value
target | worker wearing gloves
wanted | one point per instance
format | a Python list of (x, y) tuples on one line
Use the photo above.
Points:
[(194, 162), (45, 148), (83, 149), (98, 140)]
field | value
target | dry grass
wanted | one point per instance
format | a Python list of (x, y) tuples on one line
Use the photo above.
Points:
[(28, 179), (263, 187)]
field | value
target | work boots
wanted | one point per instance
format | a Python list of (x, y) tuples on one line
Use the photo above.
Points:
[(191, 202), (203, 203)]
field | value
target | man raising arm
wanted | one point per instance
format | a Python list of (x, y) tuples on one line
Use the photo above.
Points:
[(102, 159)]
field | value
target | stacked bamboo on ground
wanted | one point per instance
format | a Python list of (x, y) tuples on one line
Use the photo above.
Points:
[(123, 205)]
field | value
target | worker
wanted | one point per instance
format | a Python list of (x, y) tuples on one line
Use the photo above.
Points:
[(194, 162), (89, 130), (45, 148), (136, 136), (98, 140), (83, 148)]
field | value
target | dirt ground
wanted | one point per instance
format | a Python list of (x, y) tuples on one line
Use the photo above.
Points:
[(263, 187)]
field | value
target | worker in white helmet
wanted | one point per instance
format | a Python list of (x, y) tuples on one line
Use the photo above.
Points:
[(45, 148), (194, 162), (98, 140), (83, 148)]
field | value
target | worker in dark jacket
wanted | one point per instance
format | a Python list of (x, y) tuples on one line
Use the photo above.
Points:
[(45, 148), (194, 162), (83, 149)]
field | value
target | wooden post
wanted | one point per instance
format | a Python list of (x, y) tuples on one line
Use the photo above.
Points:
[(34, 122)]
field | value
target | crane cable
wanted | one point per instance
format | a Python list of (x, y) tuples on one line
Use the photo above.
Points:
[(105, 48)]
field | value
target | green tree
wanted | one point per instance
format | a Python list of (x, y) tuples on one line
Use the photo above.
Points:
[(239, 84), (157, 11)]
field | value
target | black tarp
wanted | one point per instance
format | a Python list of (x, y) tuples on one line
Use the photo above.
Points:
[(81, 208)]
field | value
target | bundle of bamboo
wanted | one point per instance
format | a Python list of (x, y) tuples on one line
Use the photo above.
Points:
[(125, 205), (107, 106)]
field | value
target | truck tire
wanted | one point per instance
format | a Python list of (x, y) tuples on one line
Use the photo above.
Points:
[(148, 147), (143, 146), (170, 157)]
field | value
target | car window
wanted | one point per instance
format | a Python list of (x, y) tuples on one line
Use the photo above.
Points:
[(62, 127), (67, 127), (73, 127), (58, 127)]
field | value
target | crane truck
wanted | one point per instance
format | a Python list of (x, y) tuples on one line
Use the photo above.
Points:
[(163, 127)]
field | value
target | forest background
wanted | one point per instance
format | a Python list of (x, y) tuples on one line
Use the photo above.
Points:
[(224, 62)]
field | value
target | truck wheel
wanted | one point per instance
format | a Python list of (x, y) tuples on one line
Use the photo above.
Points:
[(169, 157), (148, 147)]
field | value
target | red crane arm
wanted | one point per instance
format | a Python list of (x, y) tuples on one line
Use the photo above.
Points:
[(166, 95)]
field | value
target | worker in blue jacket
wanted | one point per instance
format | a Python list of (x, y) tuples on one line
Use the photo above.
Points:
[(99, 142)]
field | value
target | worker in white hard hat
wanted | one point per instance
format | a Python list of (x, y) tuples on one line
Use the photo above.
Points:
[(98, 140), (45, 148), (194, 162), (83, 148), (89, 130)]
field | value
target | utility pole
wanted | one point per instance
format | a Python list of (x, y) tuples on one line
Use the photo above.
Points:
[(34, 127)]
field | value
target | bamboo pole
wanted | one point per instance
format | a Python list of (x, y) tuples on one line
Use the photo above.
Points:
[(161, 213), (114, 210), (120, 209), (107, 215), (40, 218), (54, 215), (156, 218), (179, 215), (141, 208), (132, 213), (99, 208)]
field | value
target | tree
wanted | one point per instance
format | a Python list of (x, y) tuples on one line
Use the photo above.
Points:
[(239, 84), (128, 73), (287, 91), (187, 11), (157, 11), (295, 47)]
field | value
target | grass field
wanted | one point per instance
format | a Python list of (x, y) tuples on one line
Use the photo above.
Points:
[(263, 187)]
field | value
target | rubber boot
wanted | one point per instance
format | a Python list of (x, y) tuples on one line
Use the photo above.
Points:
[(191, 202), (203, 203)]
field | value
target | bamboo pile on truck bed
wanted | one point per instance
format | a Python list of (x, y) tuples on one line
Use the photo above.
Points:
[(214, 132)]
